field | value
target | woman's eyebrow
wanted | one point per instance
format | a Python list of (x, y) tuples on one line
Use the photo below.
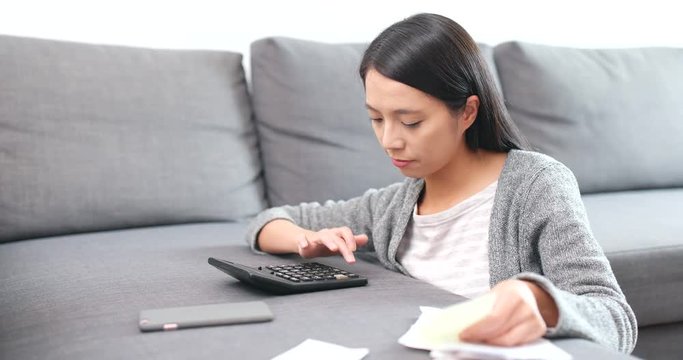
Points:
[(370, 107), (405, 111), (397, 111)]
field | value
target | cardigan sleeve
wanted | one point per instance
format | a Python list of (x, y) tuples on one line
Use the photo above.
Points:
[(575, 271), (358, 213)]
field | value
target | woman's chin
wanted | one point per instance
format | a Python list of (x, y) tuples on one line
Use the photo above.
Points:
[(413, 173)]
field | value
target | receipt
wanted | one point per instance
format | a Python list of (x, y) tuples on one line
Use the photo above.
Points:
[(540, 349), (438, 327), (439, 330)]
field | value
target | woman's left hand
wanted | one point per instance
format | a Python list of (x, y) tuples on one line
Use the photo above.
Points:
[(521, 313)]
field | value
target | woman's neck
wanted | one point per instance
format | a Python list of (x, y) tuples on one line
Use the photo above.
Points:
[(463, 177)]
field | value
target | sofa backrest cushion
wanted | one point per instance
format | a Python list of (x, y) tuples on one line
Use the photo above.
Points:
[(99, 137), (316, 140), (614, 116)]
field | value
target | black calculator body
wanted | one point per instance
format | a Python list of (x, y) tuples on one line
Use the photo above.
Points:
[(292, 278)]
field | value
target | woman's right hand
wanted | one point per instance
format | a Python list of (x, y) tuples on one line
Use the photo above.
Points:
[(328, 242)]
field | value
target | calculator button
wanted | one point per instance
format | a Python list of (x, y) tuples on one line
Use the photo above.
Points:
[(308, 272)]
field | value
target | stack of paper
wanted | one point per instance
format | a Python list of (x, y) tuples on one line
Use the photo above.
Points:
[(439, 330), (538, 350)]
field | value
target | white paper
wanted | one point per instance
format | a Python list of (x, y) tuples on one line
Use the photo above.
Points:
[(540, 349), (316, 349), (437, 327), (438, 330)]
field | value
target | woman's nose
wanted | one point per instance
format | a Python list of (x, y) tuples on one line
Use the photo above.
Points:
[(392, 138)]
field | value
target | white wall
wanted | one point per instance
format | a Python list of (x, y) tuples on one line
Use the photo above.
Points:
[(233, 25)]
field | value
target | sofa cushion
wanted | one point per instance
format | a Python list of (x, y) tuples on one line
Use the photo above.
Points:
[(661, 342), (612, 115), (105, 137), (642, 235), (316, 140), (78, 297)]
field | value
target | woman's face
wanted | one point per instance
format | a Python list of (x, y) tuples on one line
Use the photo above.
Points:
[(418, 132)]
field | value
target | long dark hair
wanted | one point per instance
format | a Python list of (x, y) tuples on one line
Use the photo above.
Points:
[(434, 54)]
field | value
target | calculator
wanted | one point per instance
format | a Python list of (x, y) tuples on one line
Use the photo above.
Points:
[(291, 278)]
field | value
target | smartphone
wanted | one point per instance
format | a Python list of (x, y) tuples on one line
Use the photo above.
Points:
[(204, 315)]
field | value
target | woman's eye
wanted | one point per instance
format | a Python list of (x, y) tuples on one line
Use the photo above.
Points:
[(376, 120), (412, 125)]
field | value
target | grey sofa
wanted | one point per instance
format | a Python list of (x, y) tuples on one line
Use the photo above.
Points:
[(123, 169)]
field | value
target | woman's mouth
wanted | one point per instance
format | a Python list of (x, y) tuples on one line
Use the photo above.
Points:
[(400, 163)]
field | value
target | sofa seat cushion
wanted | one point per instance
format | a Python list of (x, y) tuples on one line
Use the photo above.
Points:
[(642, 235), (661, 342), (78, 297), (316, 139), (96, 137)]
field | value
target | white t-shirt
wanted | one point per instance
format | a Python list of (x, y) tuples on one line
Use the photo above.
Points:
[(449, 249)]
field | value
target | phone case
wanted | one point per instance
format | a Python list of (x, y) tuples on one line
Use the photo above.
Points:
[(204, 315)]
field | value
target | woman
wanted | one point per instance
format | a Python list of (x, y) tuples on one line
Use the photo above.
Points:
[(476, 213)]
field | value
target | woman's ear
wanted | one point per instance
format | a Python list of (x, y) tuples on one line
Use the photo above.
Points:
[(469, 113)]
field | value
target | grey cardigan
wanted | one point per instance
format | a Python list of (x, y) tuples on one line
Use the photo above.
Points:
[(539, 231)]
